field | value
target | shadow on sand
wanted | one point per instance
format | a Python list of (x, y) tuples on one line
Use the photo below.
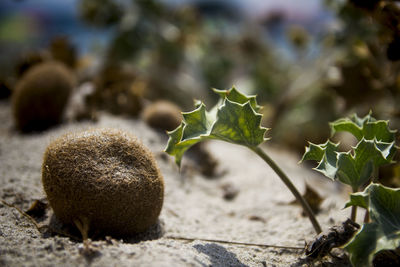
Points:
[(219, 256)]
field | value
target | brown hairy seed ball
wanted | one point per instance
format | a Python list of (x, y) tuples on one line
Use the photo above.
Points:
[(64, 51), (105, 178), (41, 95), (28, 60), (163, 115)]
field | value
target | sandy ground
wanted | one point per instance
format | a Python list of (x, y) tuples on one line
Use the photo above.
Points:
[(194, 207)]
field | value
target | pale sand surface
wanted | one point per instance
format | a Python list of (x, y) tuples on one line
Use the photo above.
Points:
[(194, 207)]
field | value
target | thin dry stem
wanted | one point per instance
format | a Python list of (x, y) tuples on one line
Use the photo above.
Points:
[(83, 226), (233, 242), (38, 227)]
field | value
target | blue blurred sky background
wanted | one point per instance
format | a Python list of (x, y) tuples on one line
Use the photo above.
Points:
[(34, 22)]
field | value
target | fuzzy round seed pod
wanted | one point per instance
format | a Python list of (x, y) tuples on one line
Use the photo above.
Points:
[(41, 95), (28, 60), (104, 180), (62, 50), (163, 115)]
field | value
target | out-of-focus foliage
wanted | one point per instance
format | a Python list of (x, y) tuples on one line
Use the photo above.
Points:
[(181, 52), (367, 76), (101, 13), (118, 90)]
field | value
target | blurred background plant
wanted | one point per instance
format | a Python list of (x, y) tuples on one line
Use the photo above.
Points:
[(309, 61)]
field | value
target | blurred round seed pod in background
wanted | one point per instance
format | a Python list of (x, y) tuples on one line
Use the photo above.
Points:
[(63, 50), (162, 115), (41, 95)]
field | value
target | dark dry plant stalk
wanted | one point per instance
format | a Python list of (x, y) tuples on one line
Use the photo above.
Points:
[(37, 226), (233, 242)]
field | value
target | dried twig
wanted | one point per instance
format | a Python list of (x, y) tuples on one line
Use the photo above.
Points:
[(38, 227), (233, 242)]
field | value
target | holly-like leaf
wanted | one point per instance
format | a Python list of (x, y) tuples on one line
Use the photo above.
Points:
[(383, 233), (176, 146), (368, 155), (326, 156), (352, 171), (353, 125), (354, 167), (368, 128), (196, 123), (359, 199), (239, 124), (235, 96), (234, 119)]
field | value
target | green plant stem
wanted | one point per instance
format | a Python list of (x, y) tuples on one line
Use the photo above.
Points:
[(290, 185), (353, 214)]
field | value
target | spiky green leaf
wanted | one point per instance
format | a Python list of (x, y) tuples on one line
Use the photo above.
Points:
[(368, 155), (239, 124), (176, 146), (368, 128), (235, 96), (359, 199), (352, 171), (328, 164), (234, 119), (314, 152), (383, 233), (326, 156), (350, 168), (196, 123)]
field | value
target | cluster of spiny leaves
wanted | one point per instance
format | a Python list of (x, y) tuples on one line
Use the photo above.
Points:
[(357, 168), (234, 119), (376, 147)]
